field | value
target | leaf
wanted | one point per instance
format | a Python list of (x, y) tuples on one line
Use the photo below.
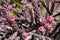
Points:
[(13, 14), (55, 30), (41, 8), (58, 14), (13, 36), (17, 3), (57, 18), (28, 37), (17, 38)]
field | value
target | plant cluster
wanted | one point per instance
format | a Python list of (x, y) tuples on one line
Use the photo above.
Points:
[(24, 20)]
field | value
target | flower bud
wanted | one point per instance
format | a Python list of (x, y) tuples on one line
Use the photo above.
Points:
[(23, 2), (14, 5)]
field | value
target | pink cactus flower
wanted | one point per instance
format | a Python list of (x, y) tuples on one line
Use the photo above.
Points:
[(48, 26), (43, 21), (24, 34), (41, 29), (50, 18), (9, 17)]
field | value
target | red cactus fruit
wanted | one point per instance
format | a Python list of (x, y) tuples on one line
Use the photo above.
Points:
[(48, 26), (24, 34)]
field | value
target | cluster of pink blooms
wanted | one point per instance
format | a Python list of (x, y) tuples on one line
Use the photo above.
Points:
[(35, 19), (46, 23)]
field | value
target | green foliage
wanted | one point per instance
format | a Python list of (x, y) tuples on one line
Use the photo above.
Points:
[(41, 8), (58, 18), (13, 14), (17, 2)]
